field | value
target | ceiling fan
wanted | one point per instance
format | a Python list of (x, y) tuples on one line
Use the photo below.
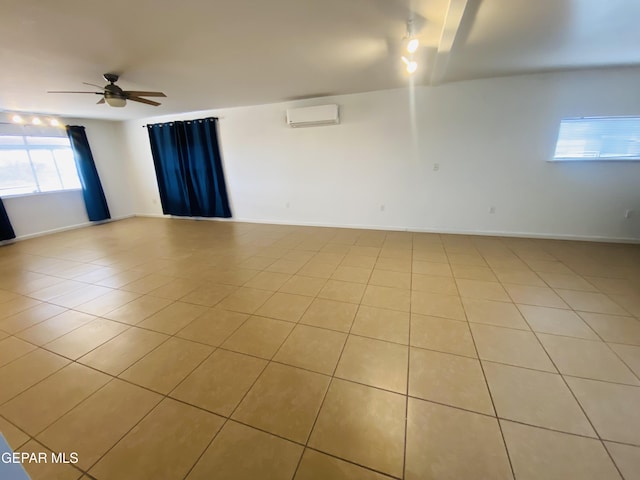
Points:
[(114, 96)]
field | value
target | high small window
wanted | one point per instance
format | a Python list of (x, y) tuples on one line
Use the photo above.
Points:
[(31, 163), (598, 138)]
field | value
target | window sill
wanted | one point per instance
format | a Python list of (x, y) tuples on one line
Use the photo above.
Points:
[(37, 194)]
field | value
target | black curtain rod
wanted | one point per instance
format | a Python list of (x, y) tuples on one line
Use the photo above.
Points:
[(194, 120)]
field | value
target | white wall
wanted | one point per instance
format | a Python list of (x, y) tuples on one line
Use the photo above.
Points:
[(491, 139), (32, 215)]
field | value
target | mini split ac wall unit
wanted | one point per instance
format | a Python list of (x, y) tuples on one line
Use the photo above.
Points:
[(313, 116)]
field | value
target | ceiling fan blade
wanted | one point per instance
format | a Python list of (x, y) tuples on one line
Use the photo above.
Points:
[(66, 91), (143, 100), (100, 101), (137, 93), (93, 85)]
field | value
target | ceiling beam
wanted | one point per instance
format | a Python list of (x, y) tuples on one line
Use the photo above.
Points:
[(460, 16)]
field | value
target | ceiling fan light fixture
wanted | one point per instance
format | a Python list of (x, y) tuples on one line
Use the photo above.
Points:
[(412, 67), (17, 119), (115, 101)]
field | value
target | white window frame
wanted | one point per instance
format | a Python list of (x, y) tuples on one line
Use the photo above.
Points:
[(594, 138), (25, 132)]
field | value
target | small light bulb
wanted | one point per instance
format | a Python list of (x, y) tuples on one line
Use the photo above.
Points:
[(412, 67), (413, 44), (36, 121), (17, 119), (54, 122)]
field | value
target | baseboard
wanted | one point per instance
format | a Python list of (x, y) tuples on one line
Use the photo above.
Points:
[(64, 229), (486, 233)]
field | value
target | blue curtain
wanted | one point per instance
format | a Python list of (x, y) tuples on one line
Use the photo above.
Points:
[(94, 199), (6, 230), (186, 156)]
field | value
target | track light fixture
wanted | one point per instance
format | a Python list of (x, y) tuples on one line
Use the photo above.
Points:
[(412, 44)]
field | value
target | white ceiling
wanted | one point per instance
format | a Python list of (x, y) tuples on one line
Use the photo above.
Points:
[(207, 54)]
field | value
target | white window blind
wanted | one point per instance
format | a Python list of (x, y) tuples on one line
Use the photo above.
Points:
[(598, 138)]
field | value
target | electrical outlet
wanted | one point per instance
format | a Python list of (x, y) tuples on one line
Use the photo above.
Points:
[(627, 213), (492, 209), (436, 167), (382, 208)]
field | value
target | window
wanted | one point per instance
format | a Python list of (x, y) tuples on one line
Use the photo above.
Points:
[(598, 138), (32, 163)]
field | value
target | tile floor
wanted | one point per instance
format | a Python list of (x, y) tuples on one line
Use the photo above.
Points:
[(176, 349)]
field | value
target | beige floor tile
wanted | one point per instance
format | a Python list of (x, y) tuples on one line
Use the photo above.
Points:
[(342, 291), (258, 262), (530, 295), (385, 297), (317, 270), (489, 312), (166, 366), (569, 281), (535, 398), (12, 348), (29, 317), (519, 277), (351, 274), (119, 353), (137, 310), (472, 259), (330, 314), (612, 409), (165, 444), (591, 302), (84, 339), (360, 261), (12, 434), (394, 264), (556, 321), (441, 334), (371, 436), (176, 289), (537, 453), (173, 318), (284, 401), (82, 295), (482, 290), (630, 355), (471, 272), (449, 379), (374, 362), (613, 286), (383, 324), (389, 278), (285, 306), (147, 283), (550, 266), (271, 281), (513, 347), (613, 328), (312, 348), (445, 442), (243, 453), (45, 332), (299, 285), (318, 466), (433, 284), (446, 306), (631, 303), (213, 327), (48, 471), (100, 421), (627, 458), (586, 358), (259, 336), (208, 295), (285, 266), (440, 268), (26, 371), (63, 390), (107, 302), (245, 300), (220, 382)]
